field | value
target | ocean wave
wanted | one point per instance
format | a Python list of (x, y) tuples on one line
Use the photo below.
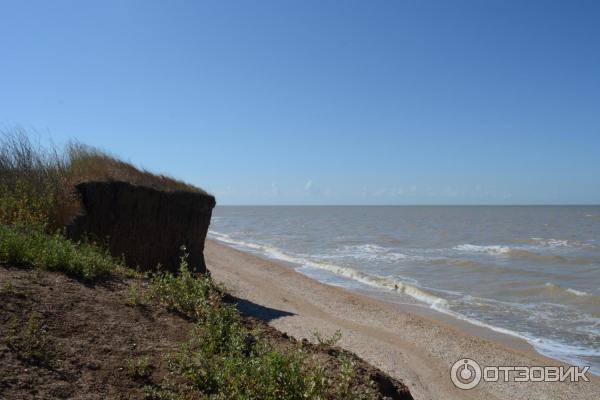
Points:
[(386, 283), (571, 353), (473, 266), (223, 237), (578, 292), (371, 252), (554, 293), (551, 258), (492, 249), (521, 252), (559, 243), (558, 289)]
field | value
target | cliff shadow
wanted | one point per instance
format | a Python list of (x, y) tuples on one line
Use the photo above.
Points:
[(257, 311)]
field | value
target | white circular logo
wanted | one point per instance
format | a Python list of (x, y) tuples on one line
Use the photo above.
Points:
[(465, 374)]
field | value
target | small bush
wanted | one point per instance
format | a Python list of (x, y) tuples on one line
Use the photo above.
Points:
[(344, 381), (32, 342), (136, 298), (330, 341), (192, 295), (139, 368), (10, 290)]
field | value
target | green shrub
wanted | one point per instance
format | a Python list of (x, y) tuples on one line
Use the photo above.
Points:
[(139, 368), (54, 252), (31, 342), (240, 372), (331, 341), (136, 298), (344, 380), (190, 294), (10, 290)]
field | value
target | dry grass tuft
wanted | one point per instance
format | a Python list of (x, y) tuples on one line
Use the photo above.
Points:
[(90, 164)]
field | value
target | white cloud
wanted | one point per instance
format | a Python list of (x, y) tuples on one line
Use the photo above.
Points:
[(308, 185), (275, 188)]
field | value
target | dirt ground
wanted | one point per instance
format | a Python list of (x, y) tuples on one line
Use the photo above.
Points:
[(88, 333)]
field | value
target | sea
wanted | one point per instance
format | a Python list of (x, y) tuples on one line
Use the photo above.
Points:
[(532, 272)]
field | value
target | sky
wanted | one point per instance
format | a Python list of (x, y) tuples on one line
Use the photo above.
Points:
[(320, 102)]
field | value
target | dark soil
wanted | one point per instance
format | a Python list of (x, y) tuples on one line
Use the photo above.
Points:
[(91, 332)]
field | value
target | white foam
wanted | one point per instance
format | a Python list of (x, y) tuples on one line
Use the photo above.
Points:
[(473, 248), (370, 252), (447, 311), (557, 243), (568, 353), (390, 284), (578, 292), (568, 290)]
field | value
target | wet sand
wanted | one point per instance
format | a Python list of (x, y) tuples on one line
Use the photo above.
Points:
[(413, 344)]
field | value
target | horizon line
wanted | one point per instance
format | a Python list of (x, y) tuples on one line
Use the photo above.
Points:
[(411, 205)]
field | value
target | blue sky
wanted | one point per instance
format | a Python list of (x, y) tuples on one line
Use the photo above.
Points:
[(301, 102)]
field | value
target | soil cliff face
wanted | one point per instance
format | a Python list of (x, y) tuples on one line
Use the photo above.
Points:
[(145, 225)]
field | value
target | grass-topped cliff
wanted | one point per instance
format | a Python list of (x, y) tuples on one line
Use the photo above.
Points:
[(75, 322)]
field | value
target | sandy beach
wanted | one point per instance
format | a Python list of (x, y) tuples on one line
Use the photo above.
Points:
[(416, 347)]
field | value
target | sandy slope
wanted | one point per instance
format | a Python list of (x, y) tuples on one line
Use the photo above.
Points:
[(413, 348)]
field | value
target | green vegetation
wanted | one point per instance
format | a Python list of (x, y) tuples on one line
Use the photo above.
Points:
[(191, 295), (32, 183), (136, 297), (37, 200), (139, 368), (331, 341), (30, 342), (223, 359), (54, 252), (10, 290)]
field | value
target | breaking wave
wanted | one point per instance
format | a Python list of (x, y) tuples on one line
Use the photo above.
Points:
[(386, 283), (525, 253), (551, 288), (493, 249), (560, 243)]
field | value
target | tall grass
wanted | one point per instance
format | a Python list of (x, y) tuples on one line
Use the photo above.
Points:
[(37, 183), (33, 183)]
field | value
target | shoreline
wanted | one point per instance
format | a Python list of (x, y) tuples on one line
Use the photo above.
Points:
[(415, 344)]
